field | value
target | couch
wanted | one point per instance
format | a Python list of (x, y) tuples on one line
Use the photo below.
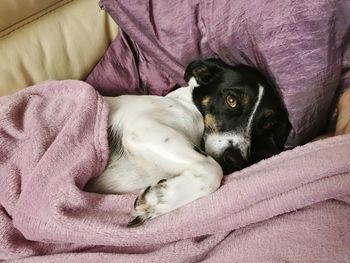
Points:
[(293, 207)]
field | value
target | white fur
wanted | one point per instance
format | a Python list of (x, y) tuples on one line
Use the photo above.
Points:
[(257, 103), (158, 138), (217, 143)]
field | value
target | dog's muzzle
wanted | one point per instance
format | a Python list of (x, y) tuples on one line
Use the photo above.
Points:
[(232, 160), (231, 150)]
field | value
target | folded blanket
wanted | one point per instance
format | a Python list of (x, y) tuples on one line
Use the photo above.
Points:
[(293, 207)]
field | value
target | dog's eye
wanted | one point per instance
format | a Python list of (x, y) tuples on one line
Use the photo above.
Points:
[(231, 101), (268, 125)]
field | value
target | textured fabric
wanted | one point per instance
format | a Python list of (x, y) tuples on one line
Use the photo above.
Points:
[(42, 40), (53, 139), (299, 44)]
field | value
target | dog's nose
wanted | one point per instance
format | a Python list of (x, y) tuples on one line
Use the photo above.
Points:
[(232, 160)]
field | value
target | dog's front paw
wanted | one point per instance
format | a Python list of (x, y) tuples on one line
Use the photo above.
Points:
[(149, 204)]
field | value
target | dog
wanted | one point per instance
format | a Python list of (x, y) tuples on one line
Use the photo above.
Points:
[(178, 147), (245, 119)]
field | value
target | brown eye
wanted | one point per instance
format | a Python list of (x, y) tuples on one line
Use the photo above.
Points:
[(267, 125), (232, 102)]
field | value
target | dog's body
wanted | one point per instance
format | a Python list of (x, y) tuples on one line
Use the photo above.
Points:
[(151, 144), (159, 152), (155, 141)]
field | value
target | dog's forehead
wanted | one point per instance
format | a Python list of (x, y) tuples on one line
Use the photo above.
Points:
[(232, 75), (237, 78), (239, 86)]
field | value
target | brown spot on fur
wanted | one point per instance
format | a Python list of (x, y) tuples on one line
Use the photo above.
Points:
[(144, 207), (210, 122), (205, 101), (140, 202)]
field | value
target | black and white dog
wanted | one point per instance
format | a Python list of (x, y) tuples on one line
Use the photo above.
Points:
[(156, 142)]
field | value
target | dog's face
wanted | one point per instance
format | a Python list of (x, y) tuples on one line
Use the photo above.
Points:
[(244, 118)]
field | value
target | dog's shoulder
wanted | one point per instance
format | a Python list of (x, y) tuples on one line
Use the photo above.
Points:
[(181, 94)]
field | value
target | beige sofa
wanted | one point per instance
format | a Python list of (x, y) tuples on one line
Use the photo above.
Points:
[(50, 39)]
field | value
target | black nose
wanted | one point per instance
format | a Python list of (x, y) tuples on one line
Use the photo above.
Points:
[(232, 160)]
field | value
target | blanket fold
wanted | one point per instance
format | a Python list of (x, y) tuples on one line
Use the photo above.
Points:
[(53, 140)]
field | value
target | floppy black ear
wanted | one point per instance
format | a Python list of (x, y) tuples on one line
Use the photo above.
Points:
[(270, 140), (203, 70), (280, 134)]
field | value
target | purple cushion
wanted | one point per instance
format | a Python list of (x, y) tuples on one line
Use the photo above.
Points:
[(302, 45)]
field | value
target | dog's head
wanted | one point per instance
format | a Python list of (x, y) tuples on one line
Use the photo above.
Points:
[(244, 118)]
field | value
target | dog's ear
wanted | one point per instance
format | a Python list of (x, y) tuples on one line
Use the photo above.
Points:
[(270, 134), (280, 134), (203, 70)]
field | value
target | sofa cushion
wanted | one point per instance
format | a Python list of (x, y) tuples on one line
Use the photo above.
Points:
[(53, 39)]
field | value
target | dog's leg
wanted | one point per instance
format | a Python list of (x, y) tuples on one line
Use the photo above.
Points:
[(198, 180), (194, 173), (120, 176)]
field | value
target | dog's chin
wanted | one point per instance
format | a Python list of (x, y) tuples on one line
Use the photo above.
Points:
[(229, 169), (230, 161), (231, 155), (233, 166)]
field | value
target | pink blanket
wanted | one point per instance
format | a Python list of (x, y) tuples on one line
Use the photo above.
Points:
[(293, 207)]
